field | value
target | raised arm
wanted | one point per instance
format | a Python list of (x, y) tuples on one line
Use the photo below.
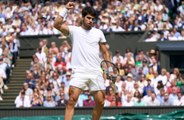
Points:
[(58, 23)]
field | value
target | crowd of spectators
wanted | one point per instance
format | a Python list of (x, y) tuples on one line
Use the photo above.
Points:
[(9, 47), (36, 17), (141, 82), (9, 52)]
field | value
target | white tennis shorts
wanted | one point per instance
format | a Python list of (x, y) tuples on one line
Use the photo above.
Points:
[(85, 79)]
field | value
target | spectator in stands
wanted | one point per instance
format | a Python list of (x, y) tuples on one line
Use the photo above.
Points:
[(148, 87), (41, 56), (181, 9), (7, 57), (62, 93), (22, 100), (136, 88), (179, 101), (159, 87), (140, 57), (162, 77), (162, 37), (121, 69), (136, 95), (119, 83), (60, 62), (82, 97), (176, 75), (139, 73), (49, 102), (171, 36), (129, 82), (55, 81), (111, 94), (116, 26), (160, 96), (170, 88), (153, 101), (132, 70), (115, 101), (129, 60), (30, 80), (4, 67), (54, 49), (107, 103), (173, 96), (167, 101), (67, 79), (150, 38), (14, 46), (168, 82), (181, 37), (118, 58), (142, 82), (148, 96), (28, 91), (155, 64), (2, 77), (36, 70), (145, 68), (139, 102), (62, 101), (150, 75), (36, 100), (129, 101), (176, 34), (44, 80), (89, 102)]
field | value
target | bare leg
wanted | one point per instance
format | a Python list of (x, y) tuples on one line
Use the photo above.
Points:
[(99, 97), (74, 93)]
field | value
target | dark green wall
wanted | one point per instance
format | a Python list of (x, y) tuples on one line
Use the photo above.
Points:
[(121, 41)]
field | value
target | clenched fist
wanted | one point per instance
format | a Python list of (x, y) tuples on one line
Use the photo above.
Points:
[(70, 5)]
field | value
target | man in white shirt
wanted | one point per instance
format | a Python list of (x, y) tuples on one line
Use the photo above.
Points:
[(88, 43), (153, 101), (28, 91), (2, 77), (129, 82), (117, 57), (150, 38), (22, 100), (41, 56), (180, 100), (129, 101)]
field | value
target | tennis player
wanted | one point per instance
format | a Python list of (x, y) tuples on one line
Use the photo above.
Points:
[(87, 45)]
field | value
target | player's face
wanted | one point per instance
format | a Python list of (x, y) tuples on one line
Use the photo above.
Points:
[(88, 21)]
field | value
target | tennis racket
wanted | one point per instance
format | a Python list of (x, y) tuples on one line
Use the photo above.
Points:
[(111, 71)]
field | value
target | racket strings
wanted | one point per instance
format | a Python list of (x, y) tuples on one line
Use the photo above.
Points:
[(110, 70)]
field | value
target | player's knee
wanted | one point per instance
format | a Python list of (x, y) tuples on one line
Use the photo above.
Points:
[(72, 101), (99, 103)]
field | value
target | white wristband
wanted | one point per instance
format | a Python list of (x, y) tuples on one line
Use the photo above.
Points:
[(64, 12)]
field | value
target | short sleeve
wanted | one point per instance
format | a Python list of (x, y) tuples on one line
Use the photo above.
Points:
[(70, 31), (102, 37)]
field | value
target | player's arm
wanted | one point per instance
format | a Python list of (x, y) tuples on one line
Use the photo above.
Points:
[(59, 21), (105, 51)]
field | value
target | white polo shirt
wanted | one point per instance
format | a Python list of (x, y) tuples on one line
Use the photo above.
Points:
[(86, 51)]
